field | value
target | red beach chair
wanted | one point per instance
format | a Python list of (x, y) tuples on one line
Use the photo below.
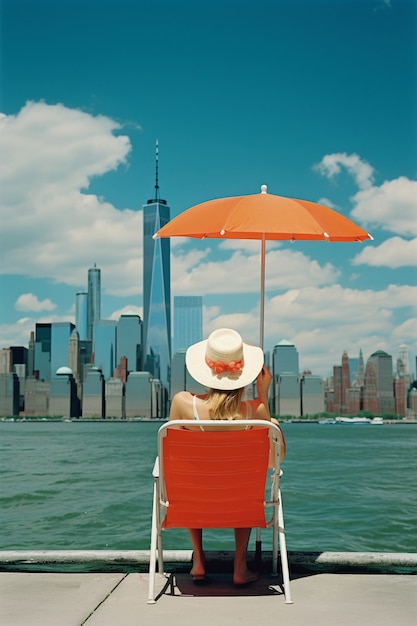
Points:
[(216, 479)]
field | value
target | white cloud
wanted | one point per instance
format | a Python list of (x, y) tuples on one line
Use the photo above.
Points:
[(391, 206), (240, 272), (50, 226), (394, 253), (30, 302), (130, 309), (324, 321), (360, 170)]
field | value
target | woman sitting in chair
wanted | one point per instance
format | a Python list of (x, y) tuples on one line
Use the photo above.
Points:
[(225, 365)]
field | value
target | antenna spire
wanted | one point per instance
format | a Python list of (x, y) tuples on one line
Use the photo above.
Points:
[(156, 171), (156, 196)]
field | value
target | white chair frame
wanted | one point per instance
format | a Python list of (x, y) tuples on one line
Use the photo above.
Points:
[(160, 501)]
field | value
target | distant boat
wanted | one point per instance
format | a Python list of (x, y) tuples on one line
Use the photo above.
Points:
[(377, 421), (356, 421), (348, 421)]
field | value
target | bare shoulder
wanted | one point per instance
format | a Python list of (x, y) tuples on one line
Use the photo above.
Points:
[(180, 405), (260, 411)]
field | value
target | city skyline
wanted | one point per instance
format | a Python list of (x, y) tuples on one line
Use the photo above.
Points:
[(331, 119), (409, 360)]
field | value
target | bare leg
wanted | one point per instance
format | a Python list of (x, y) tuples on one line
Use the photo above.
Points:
[(242, 575), (198, 570)]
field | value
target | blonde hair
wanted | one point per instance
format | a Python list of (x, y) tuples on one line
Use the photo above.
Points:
[(224, 405)]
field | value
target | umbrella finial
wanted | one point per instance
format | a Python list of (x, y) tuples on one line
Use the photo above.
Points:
[(264, 188)]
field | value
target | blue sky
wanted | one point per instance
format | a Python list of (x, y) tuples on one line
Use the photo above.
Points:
[(316, 99)]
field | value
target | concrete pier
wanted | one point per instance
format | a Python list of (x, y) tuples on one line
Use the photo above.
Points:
[(42, 588)]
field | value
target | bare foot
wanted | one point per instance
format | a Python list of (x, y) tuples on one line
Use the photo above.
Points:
[(198, 570), (240, 579)]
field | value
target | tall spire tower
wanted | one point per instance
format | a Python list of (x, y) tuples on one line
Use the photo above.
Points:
[(156, 286)]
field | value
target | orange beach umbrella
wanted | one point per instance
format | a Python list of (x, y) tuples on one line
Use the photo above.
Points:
[(265, 217)]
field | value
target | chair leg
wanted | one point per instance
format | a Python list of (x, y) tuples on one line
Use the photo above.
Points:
[(284, 555), (152, 555)]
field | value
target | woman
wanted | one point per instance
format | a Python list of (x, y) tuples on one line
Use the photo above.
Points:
[(225, 365)]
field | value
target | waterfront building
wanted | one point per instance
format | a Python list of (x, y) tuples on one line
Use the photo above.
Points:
[(129, 341), (74, 355), (9, 394), (140, 401), (37, 394), (403, 361), (93, 394), (353, 400), (285, 358), (285, 375), (6, 361), (312, 394), (60, 337), (341, 383), (31, 355), (115, 398), (384, 380), (288, 395), (181, 380), (361, 370), (156, 288), (42, 357), (413, 401), (81, 309), (19, 356), (370, 389), (105, 347), (188, 321), (400, 394), (354, 371), (63, 399), (120, 372), (86, 356), (93, 300), (20, 370)]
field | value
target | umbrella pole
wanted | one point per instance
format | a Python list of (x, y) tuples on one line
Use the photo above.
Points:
[(258, 542), (262, 303)]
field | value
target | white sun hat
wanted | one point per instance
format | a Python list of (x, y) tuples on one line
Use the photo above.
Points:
[(224, 361)]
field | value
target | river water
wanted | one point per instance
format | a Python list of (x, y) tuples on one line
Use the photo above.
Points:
[(75, 485)]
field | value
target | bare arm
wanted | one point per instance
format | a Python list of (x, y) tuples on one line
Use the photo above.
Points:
[(262, 410), (177, 407)]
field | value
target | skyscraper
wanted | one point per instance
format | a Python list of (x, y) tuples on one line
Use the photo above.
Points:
[(60, 336), (286, 382), (93, 300), (382, 363), (129, 341), (81, 308), (156, 288), (285, 358), (188, 321), (42, 360), (105, 347)]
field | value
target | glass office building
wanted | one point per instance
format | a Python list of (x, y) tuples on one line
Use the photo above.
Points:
[(156, 292), (382, 363), (129, 341), (93, 300), (188, 321), (42, 351), (285, 358), (286, 398), (81, 308), (105, 347)]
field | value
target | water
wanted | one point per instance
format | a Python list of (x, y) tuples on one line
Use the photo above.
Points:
[(88, 486)]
